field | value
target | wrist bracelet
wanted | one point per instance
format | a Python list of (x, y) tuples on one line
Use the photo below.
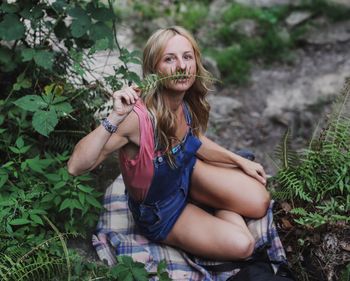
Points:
[(110, 128)]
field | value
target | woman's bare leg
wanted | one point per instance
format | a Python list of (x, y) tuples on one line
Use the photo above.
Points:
[(228, 189), (203, 234)]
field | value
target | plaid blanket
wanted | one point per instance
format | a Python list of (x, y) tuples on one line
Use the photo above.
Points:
[(117, 235)]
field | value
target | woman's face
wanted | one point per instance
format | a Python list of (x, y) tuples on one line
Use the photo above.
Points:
[(178, 56)]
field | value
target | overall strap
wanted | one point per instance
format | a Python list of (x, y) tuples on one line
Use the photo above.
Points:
[(187, 113), (153, 121)]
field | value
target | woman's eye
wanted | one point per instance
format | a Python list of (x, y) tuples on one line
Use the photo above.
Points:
[(169, 59), (188, 57)]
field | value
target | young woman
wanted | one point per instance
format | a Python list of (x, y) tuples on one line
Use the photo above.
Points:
[(168, 165)]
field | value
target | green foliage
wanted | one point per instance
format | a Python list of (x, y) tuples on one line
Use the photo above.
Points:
[(319, 186), (193, 16), (37, 263), (46, 105), (269, 42), (127, 269), (33, 186), (332, 10)]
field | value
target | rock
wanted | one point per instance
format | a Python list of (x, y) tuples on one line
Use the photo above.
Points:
[(216, 8), (297, 17), (329, 34), (223, 107), (303, 93), (266, 3), (211, 65), (245, 27), (161, 22), (345, 3)]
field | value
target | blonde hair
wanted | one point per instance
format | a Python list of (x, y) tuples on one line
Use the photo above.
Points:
[(165, 119)]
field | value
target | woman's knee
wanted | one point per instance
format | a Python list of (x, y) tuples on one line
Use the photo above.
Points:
[(244, 248), (261, 204)]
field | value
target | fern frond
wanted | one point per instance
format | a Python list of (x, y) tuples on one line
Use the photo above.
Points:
[(64, 245), (341, 110), (152, 81), (38, 263), (40, 266), (284, 152)]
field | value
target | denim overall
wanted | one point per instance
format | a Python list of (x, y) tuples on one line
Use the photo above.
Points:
[(168, 193)]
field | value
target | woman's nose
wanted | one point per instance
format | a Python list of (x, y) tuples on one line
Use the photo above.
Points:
[(181, 64)]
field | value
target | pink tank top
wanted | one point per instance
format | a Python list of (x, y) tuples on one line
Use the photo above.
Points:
[(138, 172)]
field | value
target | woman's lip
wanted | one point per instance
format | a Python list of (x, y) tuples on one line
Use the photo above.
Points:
[(182, 81)]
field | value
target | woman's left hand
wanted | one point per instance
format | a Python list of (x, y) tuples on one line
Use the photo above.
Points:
[(253, 169)]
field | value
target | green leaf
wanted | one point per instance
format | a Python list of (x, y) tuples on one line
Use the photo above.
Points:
[(22, 83), (11, 28), (79, 28), (5, 202), (63, 108), (37, 164), (100, 31), (30, 103), (85, 188), (44, 59), (100, 45), (6, 59), (14, 149), (24, 149), (161, 266), (8, 164), (140, 273), (126, 260), (37, 12), (60, 5), (76, 204), (44, 122), (48, 197), (81, 198), (81, 22), (65, 204), (102, 14), (58, 99), (48, 88), (58, 91), (3, 178), (9, 8), (36, 219), (28, 54), (59, 185), (164, 276), (77, 12), (57, 200), (53, 177), (37, 211), (20, 142), (93, 201), (20, 221)]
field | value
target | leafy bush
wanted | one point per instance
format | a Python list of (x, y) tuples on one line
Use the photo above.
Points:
[(42, 56)]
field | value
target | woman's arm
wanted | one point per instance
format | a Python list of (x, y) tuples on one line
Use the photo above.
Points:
[(97, 145), (215, 154)]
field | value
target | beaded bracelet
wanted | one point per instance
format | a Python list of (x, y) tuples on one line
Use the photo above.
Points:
[(110, 128)]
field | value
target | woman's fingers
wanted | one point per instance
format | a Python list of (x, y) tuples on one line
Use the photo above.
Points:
[(256, 171), (128, 95)]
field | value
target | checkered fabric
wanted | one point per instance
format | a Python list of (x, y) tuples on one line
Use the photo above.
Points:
[(117, 235)]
